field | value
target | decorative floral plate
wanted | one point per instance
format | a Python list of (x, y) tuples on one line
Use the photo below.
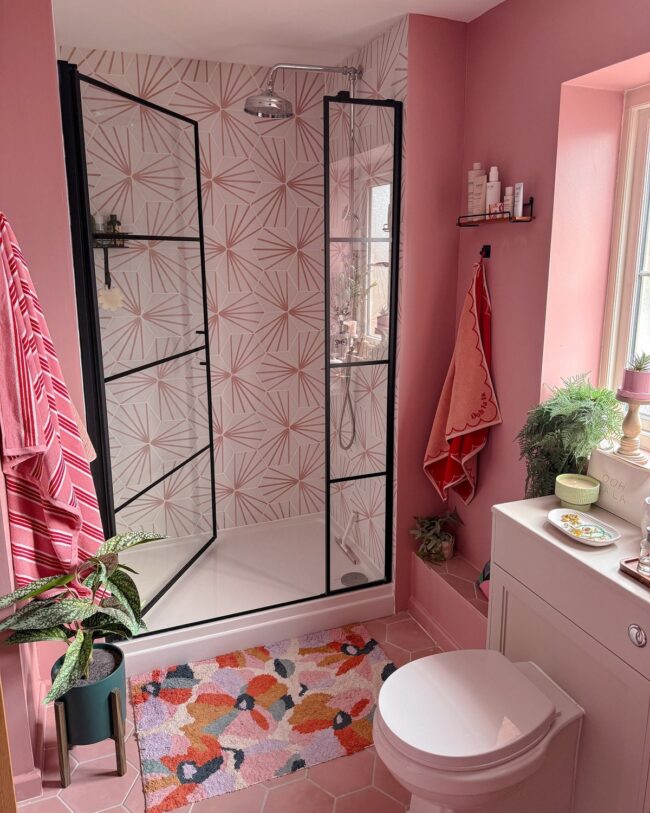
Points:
[(583, 527)]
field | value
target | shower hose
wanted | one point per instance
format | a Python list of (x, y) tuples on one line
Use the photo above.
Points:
[(347, 407)]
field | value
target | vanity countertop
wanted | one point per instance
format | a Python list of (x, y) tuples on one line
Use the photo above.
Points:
[(603, 562)]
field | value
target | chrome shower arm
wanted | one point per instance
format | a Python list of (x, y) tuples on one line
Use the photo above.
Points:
[(347, 70)]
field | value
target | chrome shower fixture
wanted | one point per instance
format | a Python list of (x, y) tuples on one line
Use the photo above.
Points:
[(270, 105)]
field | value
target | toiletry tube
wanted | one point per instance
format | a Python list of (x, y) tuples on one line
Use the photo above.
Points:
[(493, 193), (480, 191), (519, 200), (509, 201), (473, 173)]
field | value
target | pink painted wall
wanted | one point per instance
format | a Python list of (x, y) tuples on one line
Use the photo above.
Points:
[(33, 191), (587, 159), (434, 139), (513, 122), (33, 196)]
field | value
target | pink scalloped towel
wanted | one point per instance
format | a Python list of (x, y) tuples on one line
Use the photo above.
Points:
[(468, 405), (54, 519)]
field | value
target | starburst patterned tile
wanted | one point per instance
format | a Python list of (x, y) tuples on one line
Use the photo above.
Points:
[(261, 187)]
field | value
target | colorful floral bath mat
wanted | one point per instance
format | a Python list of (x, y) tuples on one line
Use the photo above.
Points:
[(216, 726)]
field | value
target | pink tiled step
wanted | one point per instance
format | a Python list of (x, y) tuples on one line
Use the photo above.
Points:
[(447, 603)]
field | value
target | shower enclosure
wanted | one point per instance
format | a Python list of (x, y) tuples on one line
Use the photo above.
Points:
[(190, 352)]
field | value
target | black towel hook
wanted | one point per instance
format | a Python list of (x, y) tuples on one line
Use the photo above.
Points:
[(486, 251)]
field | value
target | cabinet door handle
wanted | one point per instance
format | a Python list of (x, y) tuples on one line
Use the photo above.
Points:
[(637, 635)]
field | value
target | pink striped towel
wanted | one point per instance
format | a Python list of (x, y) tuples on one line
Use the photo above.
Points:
[(54, 519)]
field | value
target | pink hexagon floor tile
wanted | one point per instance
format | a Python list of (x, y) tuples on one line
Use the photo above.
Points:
[(377, 629), (340, 776), (397, 655), (134, 802), (51, 805), (298, 797), (423, 653), (385, 781), (287, 779), (409, 635), (96, 785), (248, 800), (368, 799), (460, 567)]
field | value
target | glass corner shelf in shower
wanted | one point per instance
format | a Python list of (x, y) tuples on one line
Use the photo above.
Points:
[(105, 240)]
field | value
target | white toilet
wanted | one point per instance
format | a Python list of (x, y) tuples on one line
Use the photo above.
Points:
[(472, 731)]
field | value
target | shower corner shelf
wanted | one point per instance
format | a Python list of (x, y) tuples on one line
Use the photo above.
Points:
[(108, 240), (487, 218)]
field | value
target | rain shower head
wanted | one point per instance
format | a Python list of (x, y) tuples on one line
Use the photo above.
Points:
[(270, 105)]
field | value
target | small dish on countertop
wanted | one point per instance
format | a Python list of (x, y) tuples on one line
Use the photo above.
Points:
[(583, 527)]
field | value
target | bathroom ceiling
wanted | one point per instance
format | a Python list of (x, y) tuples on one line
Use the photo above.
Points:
[(260, 32)]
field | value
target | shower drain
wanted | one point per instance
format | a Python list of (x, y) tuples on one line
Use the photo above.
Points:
[(353, 578)]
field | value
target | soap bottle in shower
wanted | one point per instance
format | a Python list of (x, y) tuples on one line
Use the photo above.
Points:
[(493, 194)]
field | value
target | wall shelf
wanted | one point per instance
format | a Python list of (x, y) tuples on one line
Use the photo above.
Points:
[(489, 219)]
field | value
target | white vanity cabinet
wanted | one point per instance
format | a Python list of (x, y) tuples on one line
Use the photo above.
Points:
[(567, 607)]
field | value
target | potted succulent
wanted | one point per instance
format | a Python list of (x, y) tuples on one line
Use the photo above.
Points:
[(95, 600), (436, 540), (636, 377), (560, 433)]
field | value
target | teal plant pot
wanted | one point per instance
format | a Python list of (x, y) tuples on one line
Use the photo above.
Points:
[(87, 708)]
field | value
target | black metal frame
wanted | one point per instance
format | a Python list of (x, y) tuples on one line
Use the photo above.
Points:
[(394, 240), (88, 312), (88, 316)]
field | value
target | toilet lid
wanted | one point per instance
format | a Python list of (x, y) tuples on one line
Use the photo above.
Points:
[(463, 710)]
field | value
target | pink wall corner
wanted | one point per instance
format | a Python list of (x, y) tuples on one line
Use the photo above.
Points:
[(33, 188), (433, 144), (587, 159), (519, 54)]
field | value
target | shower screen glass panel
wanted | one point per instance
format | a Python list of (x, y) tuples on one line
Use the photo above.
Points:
[(362, 155), (143, 323)]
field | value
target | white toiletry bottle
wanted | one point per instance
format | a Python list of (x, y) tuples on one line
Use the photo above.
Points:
[(519, 200), (480, 189), (473, 173), (493, 192), (509, 202)]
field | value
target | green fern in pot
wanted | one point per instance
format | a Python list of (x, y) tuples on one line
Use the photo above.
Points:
[(560, 433), (95, 600)]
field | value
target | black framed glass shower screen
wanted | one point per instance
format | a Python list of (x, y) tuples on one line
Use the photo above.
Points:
[(143, 320), (362, 166)]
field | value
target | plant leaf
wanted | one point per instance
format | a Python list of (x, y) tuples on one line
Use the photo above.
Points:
[(14, 618), (119, 615), (63, 611), (35, 588), (123, 541), (127, 569), (70, 671), (32, 636), (125, 590), (109, 629)]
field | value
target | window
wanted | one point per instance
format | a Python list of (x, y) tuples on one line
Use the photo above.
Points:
[(627, 331)]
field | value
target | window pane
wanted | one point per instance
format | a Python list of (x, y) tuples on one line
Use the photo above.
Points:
[(640, 336)]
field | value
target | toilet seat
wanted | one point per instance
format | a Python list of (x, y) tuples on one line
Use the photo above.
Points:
[(463, 711)]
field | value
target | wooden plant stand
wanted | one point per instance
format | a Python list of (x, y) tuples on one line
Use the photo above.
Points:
[(62, 737)]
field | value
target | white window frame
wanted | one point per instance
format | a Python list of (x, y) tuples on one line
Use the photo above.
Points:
[(630, 205)]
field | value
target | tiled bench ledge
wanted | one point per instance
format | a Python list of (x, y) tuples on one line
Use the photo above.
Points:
[(446, 603)]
